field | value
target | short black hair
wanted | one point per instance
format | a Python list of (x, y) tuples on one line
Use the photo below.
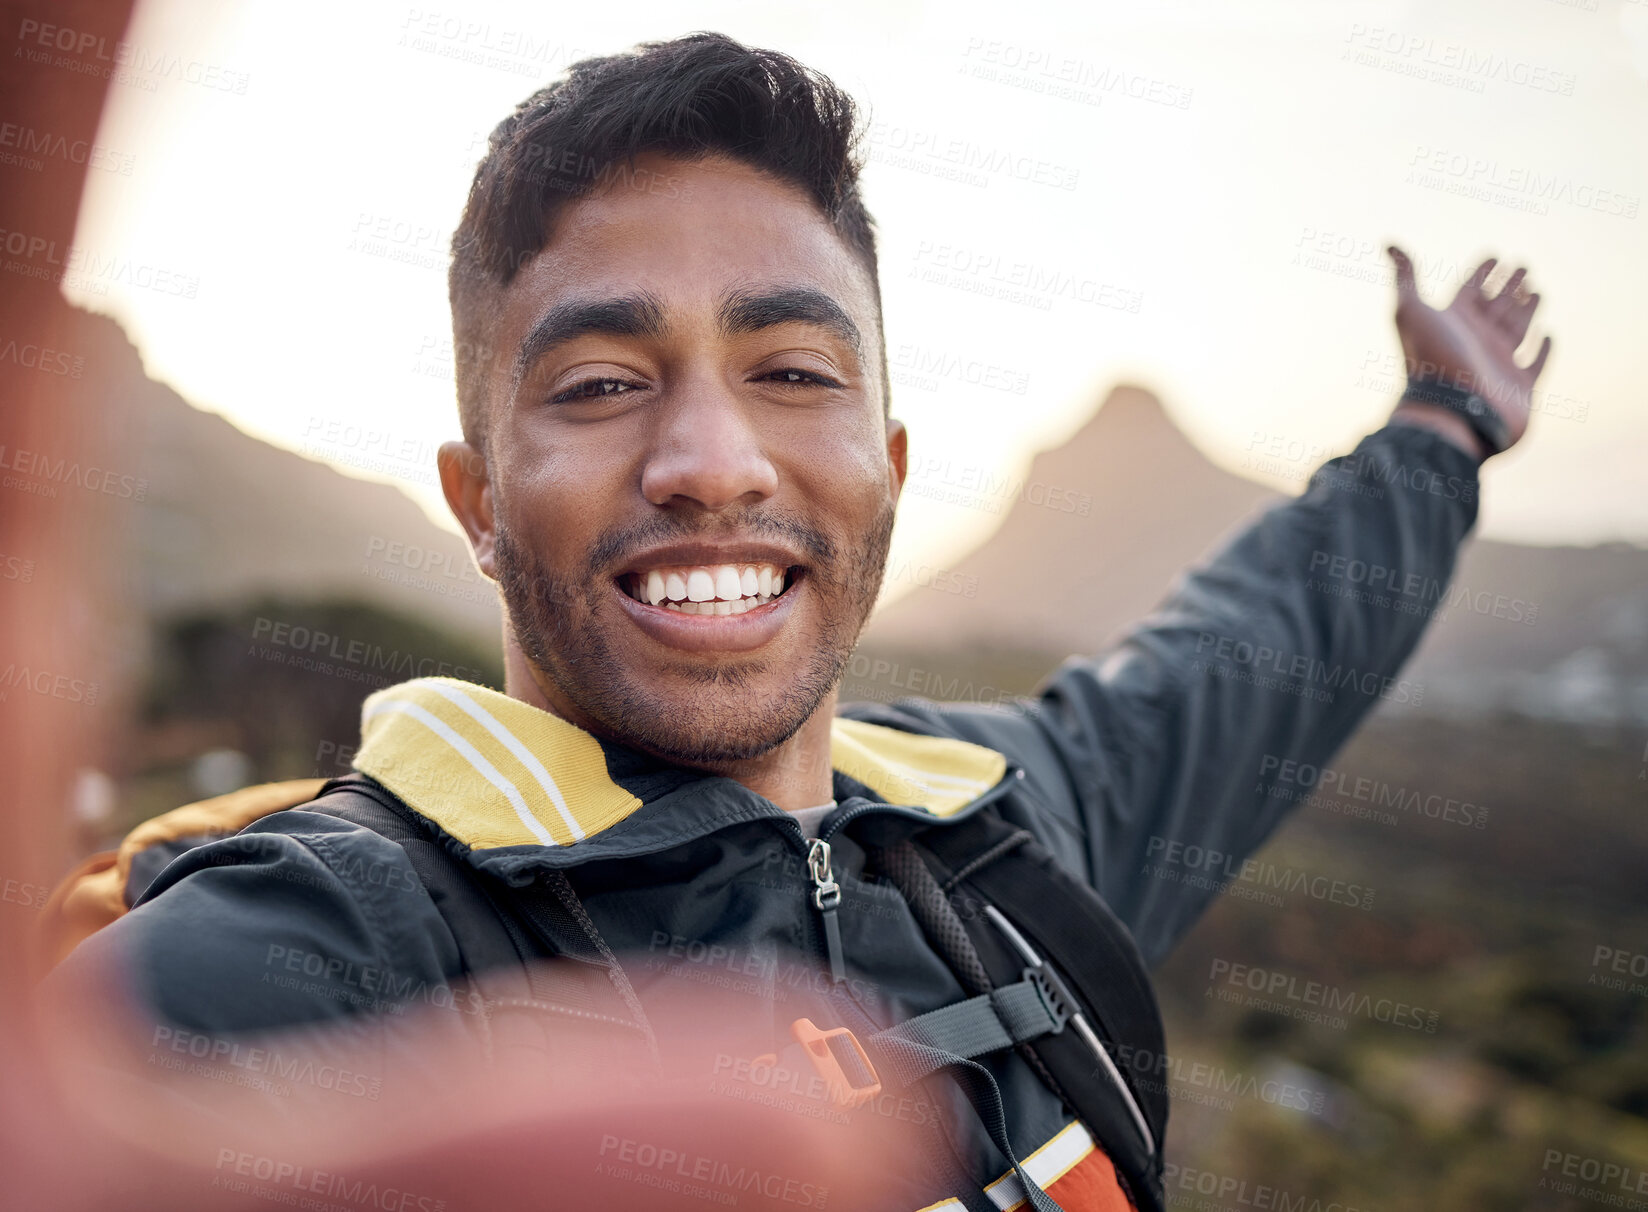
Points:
[(694, 96)]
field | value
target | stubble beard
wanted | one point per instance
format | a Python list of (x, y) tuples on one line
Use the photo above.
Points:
[(555, 622)]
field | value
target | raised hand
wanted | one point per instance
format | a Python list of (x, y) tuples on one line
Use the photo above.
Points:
[(1473, 341)]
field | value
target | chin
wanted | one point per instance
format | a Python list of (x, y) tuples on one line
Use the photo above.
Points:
[(715, 721)]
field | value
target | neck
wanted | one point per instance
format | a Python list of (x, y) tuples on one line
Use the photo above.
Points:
[(793, 775)]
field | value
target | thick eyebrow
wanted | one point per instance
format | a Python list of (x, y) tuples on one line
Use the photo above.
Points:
[(636, 315), (642, 315), (744, 311)]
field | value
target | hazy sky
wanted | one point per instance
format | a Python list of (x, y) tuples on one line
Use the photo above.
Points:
[(1190, 196)]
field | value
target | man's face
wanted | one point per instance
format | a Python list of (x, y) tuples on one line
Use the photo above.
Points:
[(692, 481)]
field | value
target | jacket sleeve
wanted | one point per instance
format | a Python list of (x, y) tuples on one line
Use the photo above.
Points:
[(1271, 652), (290, 921), (1149, 768), (302, 927)]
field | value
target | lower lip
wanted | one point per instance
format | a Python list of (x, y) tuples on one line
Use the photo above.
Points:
[(712, 632)]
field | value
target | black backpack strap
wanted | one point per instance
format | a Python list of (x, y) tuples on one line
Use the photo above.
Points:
[(487, 936), (992, 884), (499, 929)]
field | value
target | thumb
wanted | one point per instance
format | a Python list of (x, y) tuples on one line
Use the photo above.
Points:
[(1406, 288)]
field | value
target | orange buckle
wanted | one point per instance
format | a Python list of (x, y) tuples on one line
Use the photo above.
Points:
[(851, 1084)]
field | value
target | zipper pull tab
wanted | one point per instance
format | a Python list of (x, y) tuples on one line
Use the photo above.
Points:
[(826, 896)]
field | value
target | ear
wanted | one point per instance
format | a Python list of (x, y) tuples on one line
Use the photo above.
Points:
[(898, 442), (468, 490)]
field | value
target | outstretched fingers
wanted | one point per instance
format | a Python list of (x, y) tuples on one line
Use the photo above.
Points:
[(1473, 284)]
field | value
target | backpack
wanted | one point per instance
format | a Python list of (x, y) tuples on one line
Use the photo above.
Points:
[(1054, 986)]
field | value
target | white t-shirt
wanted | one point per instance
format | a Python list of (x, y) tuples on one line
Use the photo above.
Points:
[(810, 818)]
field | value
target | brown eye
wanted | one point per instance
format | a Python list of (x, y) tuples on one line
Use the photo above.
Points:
[(790, 376), (591, 389)]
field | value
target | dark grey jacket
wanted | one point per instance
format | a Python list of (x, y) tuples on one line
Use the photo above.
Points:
[(1145, 769)]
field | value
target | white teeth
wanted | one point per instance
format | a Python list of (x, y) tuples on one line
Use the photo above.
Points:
[(727, 586), (741, 585), (741, 606)]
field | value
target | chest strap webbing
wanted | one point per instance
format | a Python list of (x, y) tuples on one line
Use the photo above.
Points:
[(1009, 1015)]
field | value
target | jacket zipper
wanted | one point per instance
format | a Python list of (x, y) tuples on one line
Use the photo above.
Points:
[(826, 899), (826, 893)]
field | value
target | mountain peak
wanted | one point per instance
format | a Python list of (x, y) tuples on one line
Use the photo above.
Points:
[(1118, 510), (1131, 424)]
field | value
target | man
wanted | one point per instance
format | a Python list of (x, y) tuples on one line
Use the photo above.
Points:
[(678, 464)]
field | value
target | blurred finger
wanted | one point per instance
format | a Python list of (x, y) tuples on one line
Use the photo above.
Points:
[(1474, 282), (1406, 287), (1520, 315), (1538, 364), (1509, 296)]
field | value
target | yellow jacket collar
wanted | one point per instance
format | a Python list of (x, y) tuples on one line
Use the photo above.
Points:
[(493, 771)]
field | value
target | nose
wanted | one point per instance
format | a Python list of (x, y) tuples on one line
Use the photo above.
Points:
[(707, 450)]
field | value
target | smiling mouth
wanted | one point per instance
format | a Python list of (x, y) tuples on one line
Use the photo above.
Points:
[(710, 589)]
